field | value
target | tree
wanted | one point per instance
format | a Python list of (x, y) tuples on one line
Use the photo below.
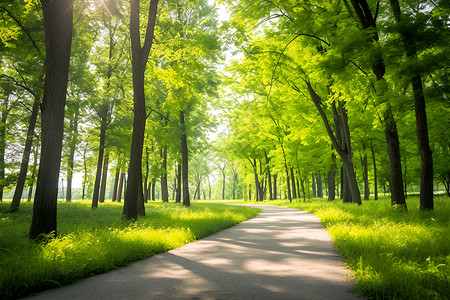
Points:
[(58, 17), (139, 61)]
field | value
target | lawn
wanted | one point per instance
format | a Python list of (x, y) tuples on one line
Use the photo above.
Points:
[(393, 254), (90, 241)]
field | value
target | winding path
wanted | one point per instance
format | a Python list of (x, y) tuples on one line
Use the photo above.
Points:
[(281, 254)]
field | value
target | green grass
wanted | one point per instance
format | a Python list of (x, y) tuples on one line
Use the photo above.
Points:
[(393, 254), (95, 241)]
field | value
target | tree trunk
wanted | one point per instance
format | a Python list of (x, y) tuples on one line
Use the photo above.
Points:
[(269, 177), (367, 21), (319, 185), (146, 175), (104, 179), (365, 176), (15, 203), (116, 185), (375, 178), (294, 189), (185, 161), (426, 174), (174, 187), (209, 189), (72, 145), (178, 194), (5, 111), (140, 202), (58, 17), (313, 184), (164, 188), (223, 185), (331, 179), (139, 61), (405, 183), (255, 175), (101, 150), (120, 189), (393, 151), (275, 187), (346, 193), (302, 182), (153, 189), (33, 173)]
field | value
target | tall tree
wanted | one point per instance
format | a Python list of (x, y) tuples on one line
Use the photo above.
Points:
[(368, 21), (58, 24), (139, 61)]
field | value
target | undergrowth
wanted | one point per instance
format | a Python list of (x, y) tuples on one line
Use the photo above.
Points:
[(90, 241), (394, 254)]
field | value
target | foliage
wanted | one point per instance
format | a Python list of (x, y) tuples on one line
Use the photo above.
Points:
[(95, 241)]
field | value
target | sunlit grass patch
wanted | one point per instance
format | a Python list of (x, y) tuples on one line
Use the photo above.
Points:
[(94, 241), (393, 254)]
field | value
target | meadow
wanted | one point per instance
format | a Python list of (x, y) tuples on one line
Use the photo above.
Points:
[(394, 254), (90, 241)]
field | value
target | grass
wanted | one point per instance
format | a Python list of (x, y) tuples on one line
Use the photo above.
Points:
[(393, 254), (90, 242)]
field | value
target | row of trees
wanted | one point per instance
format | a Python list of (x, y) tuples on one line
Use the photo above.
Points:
[(325, 92), (329, 85), (112, 84)]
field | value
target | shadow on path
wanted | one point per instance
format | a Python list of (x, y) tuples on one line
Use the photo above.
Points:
[(281, 254)]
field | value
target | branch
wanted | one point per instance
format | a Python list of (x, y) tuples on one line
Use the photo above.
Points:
[(317, 101), (150, 32), (23, 29), (163, 116)]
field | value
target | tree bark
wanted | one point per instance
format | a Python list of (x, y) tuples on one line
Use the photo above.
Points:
[(33, 173), (269, 177), (5, 111), (375, 177), (58, 24), (164, 188), (139, 61), (116, 185), (153, 189), (178, 194), (72, 146), (331, 179), (275, 187), (365, 176), (294, 189), (15, 203), (140, 202), (101, 151), (393, 151), (319, 185), (185, 162), (313, 184), (146, 192), (104, 179), (120, 189)]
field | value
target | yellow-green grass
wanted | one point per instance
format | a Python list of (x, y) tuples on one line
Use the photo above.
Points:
[(393, 254), (95, 241)]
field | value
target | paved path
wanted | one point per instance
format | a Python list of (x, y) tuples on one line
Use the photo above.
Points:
[(281, 254)]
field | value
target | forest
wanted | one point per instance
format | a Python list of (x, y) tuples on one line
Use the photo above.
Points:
[(269, 100), (129, 102)]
